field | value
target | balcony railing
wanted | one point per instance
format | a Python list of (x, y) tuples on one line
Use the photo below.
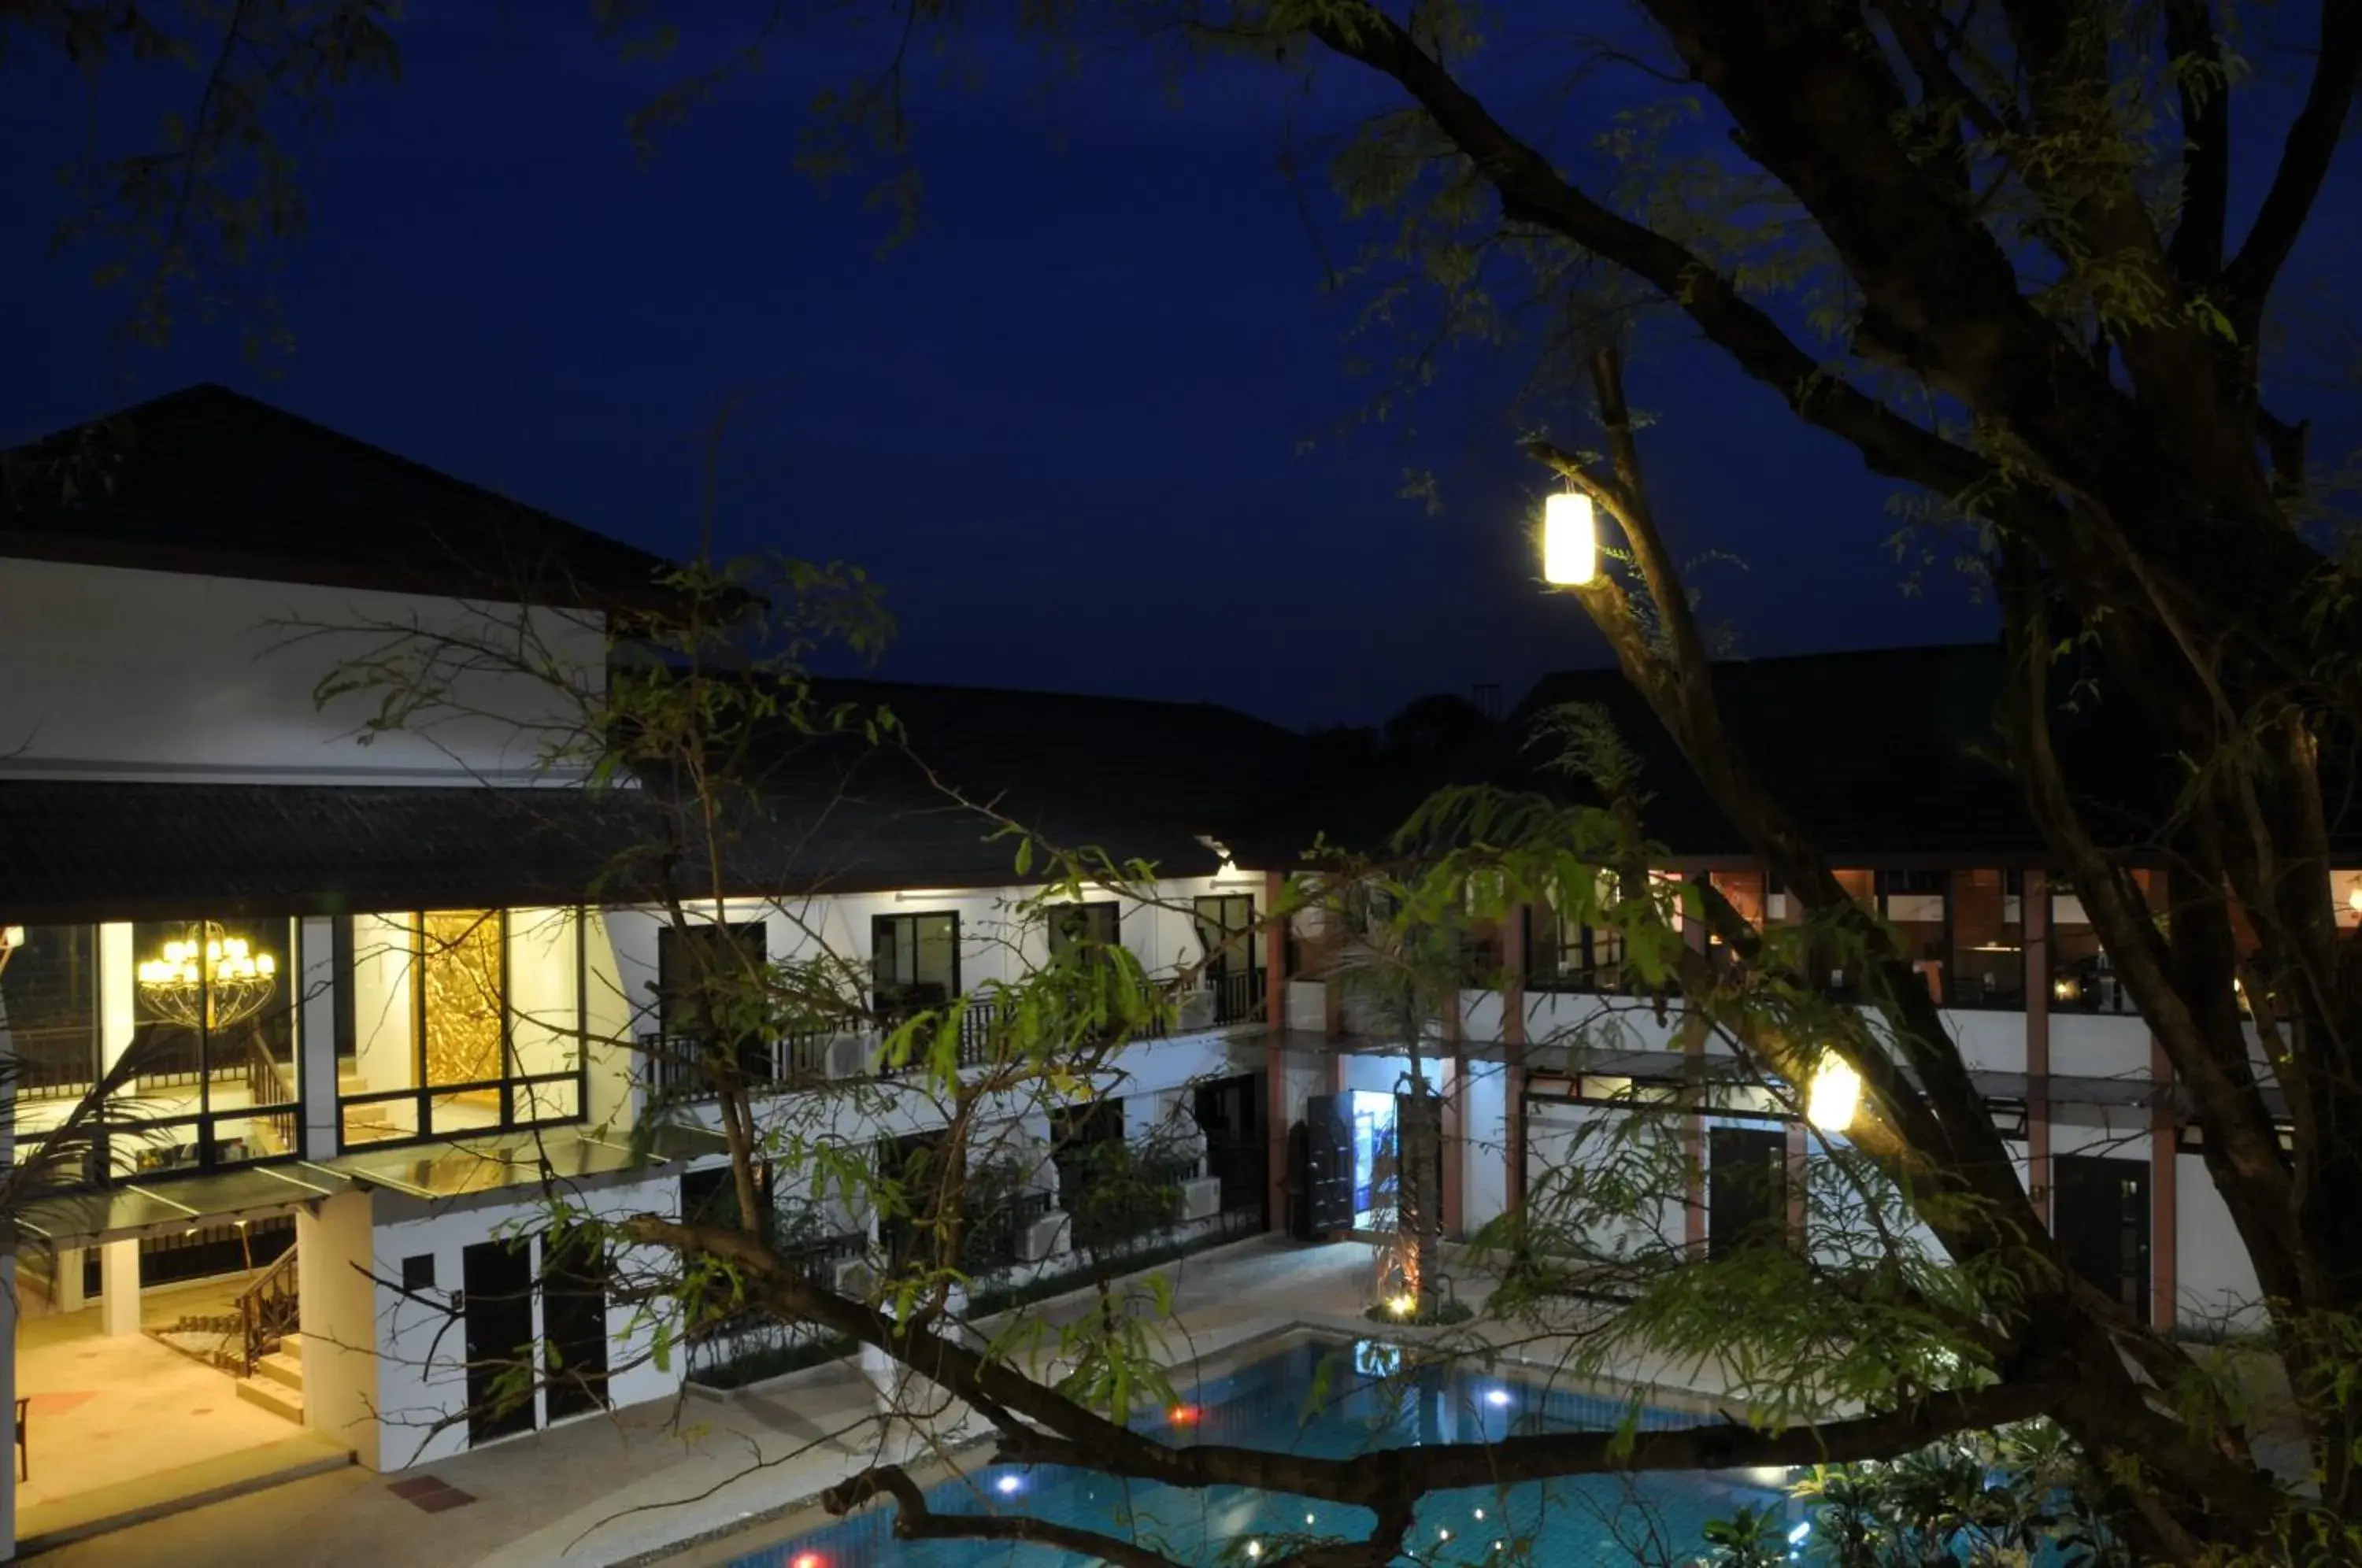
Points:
[(1238, 996), (680, 1066)]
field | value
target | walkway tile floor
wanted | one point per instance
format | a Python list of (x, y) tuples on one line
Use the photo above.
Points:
[(107, 1414), (638, 1484)]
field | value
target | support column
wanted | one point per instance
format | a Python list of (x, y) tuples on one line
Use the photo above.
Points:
[(1694, 1128), (2164, 1164), (2034, 922), (1275, 1134), (1274, 1061), (1453, 1113), (65, 1282), (324, 967), (118, 1275), (1513, 1062), (8, 1307), (2164, 1200)]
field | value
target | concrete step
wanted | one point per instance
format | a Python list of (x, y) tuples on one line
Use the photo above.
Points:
[(292, 1347), (273, 1396), (282, 1369)]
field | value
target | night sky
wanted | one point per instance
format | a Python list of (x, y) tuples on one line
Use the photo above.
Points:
[(1064, 423)]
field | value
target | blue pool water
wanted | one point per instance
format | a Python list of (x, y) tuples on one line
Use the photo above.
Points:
[(1323, 1398)]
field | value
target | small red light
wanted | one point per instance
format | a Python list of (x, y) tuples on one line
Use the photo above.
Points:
[(806, 1560), (1185, 1414)]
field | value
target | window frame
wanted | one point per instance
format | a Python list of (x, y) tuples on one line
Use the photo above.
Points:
[(422, 1095), (878, 923), (136, 1133)]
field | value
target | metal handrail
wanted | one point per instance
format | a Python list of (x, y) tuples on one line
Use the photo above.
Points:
[(268, 1310)]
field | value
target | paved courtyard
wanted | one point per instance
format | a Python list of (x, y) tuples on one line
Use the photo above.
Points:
[(648, 1481), (115, 1424)]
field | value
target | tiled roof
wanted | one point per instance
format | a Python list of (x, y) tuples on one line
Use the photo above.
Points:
[(1138, 780), (1887, 755), (75, 850), (207, 480)]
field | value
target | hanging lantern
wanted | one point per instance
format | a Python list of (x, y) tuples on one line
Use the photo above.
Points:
[(1570, 540), (1835, 1095)]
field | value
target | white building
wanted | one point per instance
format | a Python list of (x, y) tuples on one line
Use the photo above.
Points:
[(433, 1000)]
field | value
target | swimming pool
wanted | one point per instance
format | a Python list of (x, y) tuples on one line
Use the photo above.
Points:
[(1268, 1402)]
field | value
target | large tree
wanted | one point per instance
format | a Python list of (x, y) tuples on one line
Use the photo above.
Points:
[(1991, 248)]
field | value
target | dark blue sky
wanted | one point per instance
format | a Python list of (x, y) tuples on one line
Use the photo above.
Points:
[(1064, 423)]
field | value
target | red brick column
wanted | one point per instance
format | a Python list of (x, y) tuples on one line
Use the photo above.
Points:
[(1513, 1060), (1274, 1061), (2034, 917)]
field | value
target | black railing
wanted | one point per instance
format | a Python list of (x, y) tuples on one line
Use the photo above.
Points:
[(1238, 996), (995, 1232), (816, 1262), (681, 1067), (268, 1310)]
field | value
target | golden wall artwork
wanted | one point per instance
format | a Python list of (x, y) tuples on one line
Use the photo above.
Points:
[(462, 977)]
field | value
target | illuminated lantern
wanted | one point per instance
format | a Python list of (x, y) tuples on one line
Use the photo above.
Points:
[(1570, 540), (1835, 1095)]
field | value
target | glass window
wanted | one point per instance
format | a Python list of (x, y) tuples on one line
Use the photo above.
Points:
[(1569, 956), (49, 1014), (1828, 965), (1915, 904), (915, 962), (484, 1006), (2081, 978), (1074, 927), (1988, 940), (1234, 955), (206, 1012)]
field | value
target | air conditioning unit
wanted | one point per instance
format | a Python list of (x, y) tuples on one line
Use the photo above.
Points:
[(1201, 1198), (850, 1277), (848, 1056), (1195, 1013), (1046, 1237)]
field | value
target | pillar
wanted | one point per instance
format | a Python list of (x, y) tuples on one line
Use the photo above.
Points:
[(2163, 1157), (1693, 1127), (118, 1277), (325, 964), (1452, 1086), (1513, 1061), (1274, 1060), (2164, 1201), (65, 1282), (9, 1402), (2033, 926)]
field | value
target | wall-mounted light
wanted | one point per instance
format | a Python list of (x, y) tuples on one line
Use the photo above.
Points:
[(1835, 1094), (1570, 540), (11, 937)]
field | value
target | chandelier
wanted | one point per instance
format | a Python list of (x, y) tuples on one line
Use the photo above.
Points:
[(209, 979)]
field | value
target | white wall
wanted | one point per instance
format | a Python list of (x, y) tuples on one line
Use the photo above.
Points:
[(422, 1353), (1480, 1017), (117, 673), (2214, 1280), (1989, 1040), (1562, 1143), (338, 1303), (1484, 1121), (2099, 1046)]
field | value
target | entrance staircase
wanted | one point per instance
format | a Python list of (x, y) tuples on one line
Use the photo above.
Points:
[(256, 1341)]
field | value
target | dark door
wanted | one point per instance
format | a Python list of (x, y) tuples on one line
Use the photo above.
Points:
[(574, 1326), (2099, 1211), (1746, 1188), (703, 969), (497, 1279), (1230, 1113), (1325, 1172)]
